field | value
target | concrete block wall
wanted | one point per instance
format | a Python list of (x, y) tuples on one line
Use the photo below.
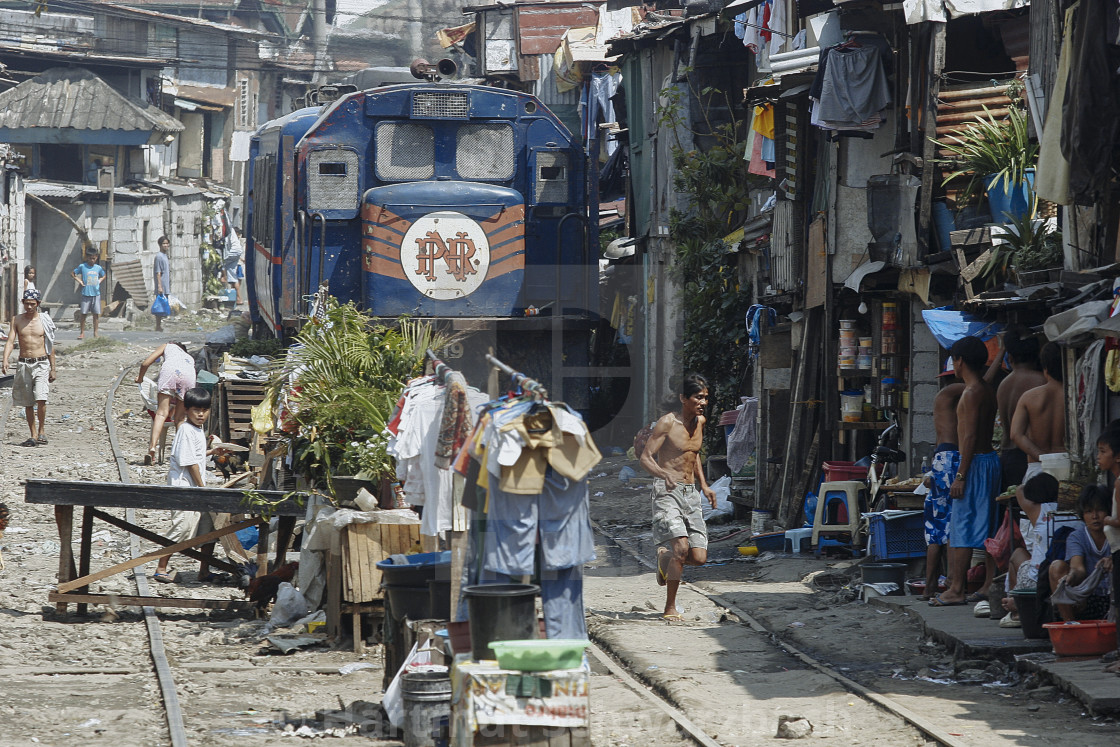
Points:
[(924, 385), (137, 227)]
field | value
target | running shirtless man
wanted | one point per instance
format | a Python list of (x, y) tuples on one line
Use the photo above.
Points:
[(672, 455)]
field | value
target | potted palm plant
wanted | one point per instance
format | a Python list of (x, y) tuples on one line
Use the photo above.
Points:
[(338, 386), (998, 155)]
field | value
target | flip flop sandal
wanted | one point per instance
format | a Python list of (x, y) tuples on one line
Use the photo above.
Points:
[(42, 440), (975, 597), (937, 601), (30, 442), (672, 618), (164, 578), (149, 458)]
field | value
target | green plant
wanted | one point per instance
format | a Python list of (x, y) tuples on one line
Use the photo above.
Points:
[(256, 503), (1027, 244), (247, 347), (341, 380), (716, 187), (991, 147)]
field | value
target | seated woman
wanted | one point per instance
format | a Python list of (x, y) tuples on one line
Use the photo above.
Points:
[(1037, 497), (1086, 548)]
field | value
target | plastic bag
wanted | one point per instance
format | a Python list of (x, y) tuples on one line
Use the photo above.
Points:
[(722, 489), (999, 547), (175, 303), (392, 701), (261, 417), (289, 607), (161, 306)]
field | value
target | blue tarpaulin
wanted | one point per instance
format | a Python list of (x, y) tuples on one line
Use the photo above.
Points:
[(948, 326)]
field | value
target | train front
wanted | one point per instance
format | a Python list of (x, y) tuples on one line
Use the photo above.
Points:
[(472, 211)]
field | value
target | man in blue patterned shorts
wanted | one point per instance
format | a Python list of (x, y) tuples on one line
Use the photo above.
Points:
[(946, 462)]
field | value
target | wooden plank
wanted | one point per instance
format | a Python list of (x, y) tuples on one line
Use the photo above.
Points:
[(348, 553), (160, 540), (334, 592), (115, 600), (973, 269), (125, 495), (153, 555)]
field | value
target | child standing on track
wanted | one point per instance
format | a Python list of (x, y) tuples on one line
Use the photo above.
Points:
[(188, 462)]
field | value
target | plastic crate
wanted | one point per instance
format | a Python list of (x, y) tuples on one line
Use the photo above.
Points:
[(839, 471), (899, 537)]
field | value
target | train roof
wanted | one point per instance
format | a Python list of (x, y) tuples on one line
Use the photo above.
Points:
[(489, 91), (300, 120)]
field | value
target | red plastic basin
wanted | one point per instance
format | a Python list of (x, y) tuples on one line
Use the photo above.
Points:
[(1085, 638)]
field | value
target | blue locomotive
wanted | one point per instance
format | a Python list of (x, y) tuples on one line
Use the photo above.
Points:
[(467, 205)]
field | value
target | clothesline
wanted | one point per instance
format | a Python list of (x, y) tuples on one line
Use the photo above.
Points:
[(519, 378), (763, 28)]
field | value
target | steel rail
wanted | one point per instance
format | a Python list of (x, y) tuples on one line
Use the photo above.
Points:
[(898, 710), (155, 635)]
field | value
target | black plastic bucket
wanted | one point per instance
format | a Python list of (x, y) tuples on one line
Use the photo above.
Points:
[(1030, 613), (427, 701), (439, 599), (412, 602), (500, 612), (886, 573)]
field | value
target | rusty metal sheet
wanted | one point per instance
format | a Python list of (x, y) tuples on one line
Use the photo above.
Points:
[(540, 28)]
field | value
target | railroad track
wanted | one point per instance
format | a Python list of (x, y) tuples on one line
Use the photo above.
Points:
[(899, 711), (168, 694)]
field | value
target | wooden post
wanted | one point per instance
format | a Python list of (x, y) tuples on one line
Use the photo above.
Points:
[(64, 518), (84, 551)]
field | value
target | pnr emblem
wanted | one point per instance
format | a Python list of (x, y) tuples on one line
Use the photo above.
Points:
[(445, 255)]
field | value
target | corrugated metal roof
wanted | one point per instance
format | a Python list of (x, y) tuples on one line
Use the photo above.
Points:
[(72, 98), (53, 189), (541, 28)]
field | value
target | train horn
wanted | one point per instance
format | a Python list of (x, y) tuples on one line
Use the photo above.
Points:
[(421, 68)]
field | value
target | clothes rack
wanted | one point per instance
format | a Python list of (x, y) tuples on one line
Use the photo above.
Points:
[(519, 379)]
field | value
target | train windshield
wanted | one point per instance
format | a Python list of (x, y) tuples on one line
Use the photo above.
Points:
[(485, 151), (404, 152)]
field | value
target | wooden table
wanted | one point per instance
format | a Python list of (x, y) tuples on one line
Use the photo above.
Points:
[(73, 582)]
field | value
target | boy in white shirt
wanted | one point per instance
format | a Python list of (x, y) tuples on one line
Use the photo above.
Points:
[(188, 461)]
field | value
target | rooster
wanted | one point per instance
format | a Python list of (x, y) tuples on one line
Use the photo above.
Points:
[(262, 590), (3, 526)]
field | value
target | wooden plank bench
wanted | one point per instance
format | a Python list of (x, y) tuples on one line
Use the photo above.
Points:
[(73, 581)]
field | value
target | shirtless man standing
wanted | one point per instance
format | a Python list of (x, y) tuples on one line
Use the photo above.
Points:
[(977, 481), (672, 455), (1039, 424), (946, 463), (35, 369), (1022, 350)]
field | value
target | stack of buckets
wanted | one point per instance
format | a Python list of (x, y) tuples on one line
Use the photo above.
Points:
[(890, 325), (849, 345)]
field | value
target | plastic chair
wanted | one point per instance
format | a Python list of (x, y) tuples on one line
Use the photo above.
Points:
[(838, 509)]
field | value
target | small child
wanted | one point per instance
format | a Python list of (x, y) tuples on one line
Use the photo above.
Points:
[(1086, 548), (188, 460), (1037, 498), (90, 276)]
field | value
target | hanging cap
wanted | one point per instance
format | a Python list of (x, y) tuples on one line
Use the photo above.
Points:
[(948, 370)]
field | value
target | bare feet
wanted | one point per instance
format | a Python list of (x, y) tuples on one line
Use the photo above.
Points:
[(82, 336)]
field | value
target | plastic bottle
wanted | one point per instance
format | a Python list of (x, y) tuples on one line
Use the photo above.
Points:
[(925, 466)]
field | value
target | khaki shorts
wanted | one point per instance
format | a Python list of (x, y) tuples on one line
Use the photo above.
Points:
[(677, 513), (31, 383)]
